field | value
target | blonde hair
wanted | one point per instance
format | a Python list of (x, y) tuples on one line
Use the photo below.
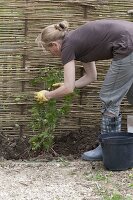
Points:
[(52, 33)]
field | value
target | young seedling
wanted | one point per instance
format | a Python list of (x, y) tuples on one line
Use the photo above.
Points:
[(45, 116)]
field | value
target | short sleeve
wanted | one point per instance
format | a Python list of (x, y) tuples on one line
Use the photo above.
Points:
[(67, 54)]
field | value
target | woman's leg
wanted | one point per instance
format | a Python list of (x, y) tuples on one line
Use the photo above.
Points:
[(117, 83), (130, 95)]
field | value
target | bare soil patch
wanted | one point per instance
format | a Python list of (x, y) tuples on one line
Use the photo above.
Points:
[(70, 143)]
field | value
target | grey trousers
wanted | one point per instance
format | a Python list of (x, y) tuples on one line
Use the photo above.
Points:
[(117, 84)]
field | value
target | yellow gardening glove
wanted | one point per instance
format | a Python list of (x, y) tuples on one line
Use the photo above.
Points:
[(40, 96), (56, 85)]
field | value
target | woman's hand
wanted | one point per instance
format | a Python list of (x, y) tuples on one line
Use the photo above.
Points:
[(40, 96), (56, 85)]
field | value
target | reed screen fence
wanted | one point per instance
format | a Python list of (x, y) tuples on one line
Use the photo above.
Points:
[(21, 59)]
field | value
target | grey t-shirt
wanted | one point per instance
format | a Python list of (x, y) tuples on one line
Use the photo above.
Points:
[(98, 40)]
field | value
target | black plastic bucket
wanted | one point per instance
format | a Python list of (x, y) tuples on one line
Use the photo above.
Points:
[(117, 150)]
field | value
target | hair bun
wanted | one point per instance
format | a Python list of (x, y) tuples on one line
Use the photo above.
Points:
[(62, 26)]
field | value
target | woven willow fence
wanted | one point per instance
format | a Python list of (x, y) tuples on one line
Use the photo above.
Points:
[(21, 59)]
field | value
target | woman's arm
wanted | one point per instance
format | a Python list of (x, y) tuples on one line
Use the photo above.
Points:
[(69, 82), (90, 75), (69, 79)]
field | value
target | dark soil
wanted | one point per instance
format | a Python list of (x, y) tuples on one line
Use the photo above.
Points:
[(71, 143), (76, 142)]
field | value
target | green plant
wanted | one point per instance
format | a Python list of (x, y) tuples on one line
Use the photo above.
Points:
[(100, 177), (116, 196), (96, 177), (46, 116)]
